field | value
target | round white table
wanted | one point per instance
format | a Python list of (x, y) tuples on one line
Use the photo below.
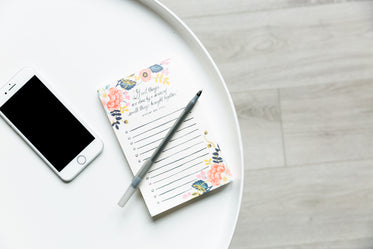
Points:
[(80, 46)]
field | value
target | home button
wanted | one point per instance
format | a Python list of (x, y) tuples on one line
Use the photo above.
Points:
[(81, 159)]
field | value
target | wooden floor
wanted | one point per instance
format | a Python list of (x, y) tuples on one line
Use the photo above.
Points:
[(300, 73)]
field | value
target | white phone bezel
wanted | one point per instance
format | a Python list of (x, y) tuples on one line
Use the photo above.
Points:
[(72, 169)]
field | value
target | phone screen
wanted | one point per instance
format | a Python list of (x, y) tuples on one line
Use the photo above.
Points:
[(47, 123)]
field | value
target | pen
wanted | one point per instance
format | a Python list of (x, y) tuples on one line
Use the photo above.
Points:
[(146, 166)]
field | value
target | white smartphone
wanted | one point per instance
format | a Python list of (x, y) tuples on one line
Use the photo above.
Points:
[(52, 130)]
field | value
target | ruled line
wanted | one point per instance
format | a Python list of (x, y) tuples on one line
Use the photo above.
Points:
[(177, 160), (152, 135), (160, 131), (177, 187), (178, 172), (142, 146), (144, 152), (179, 165), (156, 119), (187, 148), (175, 195), (181, 178), (181, 143), (183, 129), (156, 127), (164, 158)]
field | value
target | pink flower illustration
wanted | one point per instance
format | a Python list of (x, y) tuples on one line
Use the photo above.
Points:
[(214, 174), (165, 71), (202, 175), (126, 95), (166, 62), (228, 172), (145, 74), (116, 97), (187, 195)]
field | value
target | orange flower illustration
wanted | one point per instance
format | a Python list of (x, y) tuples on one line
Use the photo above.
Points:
[(145, 74), (116, 97), (214, 174)]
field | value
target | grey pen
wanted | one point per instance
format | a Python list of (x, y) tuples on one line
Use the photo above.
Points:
[(146, 166)]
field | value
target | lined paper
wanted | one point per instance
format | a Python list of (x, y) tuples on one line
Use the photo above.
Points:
[(174, 171), (141, 109)]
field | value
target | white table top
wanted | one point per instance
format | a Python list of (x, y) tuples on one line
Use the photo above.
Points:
[(80, 46)]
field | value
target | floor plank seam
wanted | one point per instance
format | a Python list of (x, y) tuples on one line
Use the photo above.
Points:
[(326, 163), (281, 127), (268, 10), (296, 245)]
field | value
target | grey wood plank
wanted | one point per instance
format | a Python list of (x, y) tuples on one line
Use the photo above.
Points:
[(298, 207), (290, 47), (196, 8), (259, 116), (359, 243), (324, 123), (288, 43)]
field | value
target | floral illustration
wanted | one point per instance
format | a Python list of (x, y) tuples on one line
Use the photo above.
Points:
[(201, 187), (228, 172), (116, 99), (145, 75), (215, 155), (166, 62), (156, 68), (209, 143), (118, 116), (126, 84), (202, 175), (166, 72), (187, 195), (216, 173)]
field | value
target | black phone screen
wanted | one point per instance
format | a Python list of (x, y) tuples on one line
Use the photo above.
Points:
[(47, 123)]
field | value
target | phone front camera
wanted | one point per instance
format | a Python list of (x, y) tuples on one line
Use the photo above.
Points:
[(5, 92)]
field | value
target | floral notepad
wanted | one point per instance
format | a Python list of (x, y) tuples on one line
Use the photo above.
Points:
[(141, 109)]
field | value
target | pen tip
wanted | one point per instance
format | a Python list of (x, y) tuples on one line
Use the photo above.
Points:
[(199, 93)]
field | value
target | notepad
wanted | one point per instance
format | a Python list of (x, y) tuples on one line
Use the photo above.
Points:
[(141, 109)]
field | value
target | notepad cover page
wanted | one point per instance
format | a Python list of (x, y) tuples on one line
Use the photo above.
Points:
[(141, 108)]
